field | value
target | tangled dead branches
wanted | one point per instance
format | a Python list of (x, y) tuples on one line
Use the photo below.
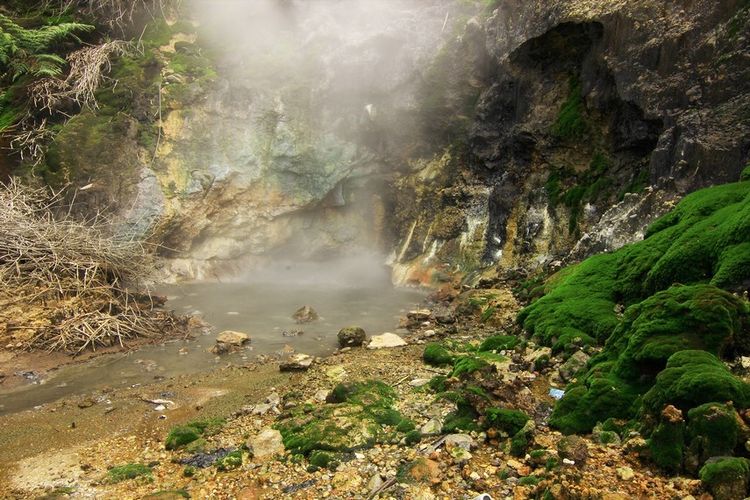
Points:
[(64, 283), (117, 13), (88, 69)]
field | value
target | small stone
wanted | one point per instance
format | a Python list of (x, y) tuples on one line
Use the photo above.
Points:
[(233, 338), (351, 336), (428, 333), (305, 314), (321, 395), (261, 409), (386, 340), (625, 473), (568, 461), (266, 444), (419, 314), (273, 399)]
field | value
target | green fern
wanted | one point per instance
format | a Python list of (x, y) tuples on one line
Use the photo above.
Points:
[(28, 51)]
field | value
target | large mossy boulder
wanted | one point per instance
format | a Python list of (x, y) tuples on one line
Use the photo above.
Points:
[(692, 378), (714, 429), (726, 477), (699, 317)]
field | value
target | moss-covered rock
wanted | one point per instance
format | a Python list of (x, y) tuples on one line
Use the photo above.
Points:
[(700, 317), (182, 435), (692, 378), (498, 343), (437, 355), (713, 430), (668, 440), (358, 415), (727, 477), (508, 421), (230, 461), (699, 241)]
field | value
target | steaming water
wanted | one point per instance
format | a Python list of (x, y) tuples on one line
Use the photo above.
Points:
[(260, 306)]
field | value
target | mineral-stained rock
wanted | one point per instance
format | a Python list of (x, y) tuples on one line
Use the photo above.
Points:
[(573, 448)]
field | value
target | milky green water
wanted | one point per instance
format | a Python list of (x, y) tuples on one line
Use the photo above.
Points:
[(260, 305)]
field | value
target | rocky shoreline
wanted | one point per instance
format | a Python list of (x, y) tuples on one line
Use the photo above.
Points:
[(419, 450)]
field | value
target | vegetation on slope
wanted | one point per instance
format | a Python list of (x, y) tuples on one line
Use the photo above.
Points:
[(661, 364)]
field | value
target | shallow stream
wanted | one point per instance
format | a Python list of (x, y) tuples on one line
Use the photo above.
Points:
[(261, 305)]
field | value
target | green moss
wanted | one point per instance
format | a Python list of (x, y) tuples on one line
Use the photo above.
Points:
[(462, 419), (726, 478), (231, 461), (570, 122), (745, 175), (413, 437), (167, 494), (189, 471), (181, 435), (683, 317), (692, 378), (128, 471), (713, 430), (519, 443), (466, 365), (322, 459), (405, 426), (437, 383), (529, 480), (508, 421), (437, 355), (667, 445), (357, 416), (703, 239), (595, 400), (498, 343)]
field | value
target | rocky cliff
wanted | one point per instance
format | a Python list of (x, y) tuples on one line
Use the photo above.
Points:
[(454, 135)]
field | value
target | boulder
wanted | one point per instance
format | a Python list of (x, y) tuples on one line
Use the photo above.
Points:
[(573, 448), (266, 444), (459, 440), (297, 362), (305, 314), (351, 336), (386, 340)]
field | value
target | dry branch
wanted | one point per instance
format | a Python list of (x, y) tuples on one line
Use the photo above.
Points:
[(77, 278)]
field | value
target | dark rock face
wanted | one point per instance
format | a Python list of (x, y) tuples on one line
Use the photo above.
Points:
[(579, 104)]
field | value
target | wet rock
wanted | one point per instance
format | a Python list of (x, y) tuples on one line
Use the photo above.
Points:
[(305, 314), (229, 341), (573, 365), (297, 362), (86, 403), (292, 333), (386, 340), (266, 444), (351, 336), (233, 338)]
